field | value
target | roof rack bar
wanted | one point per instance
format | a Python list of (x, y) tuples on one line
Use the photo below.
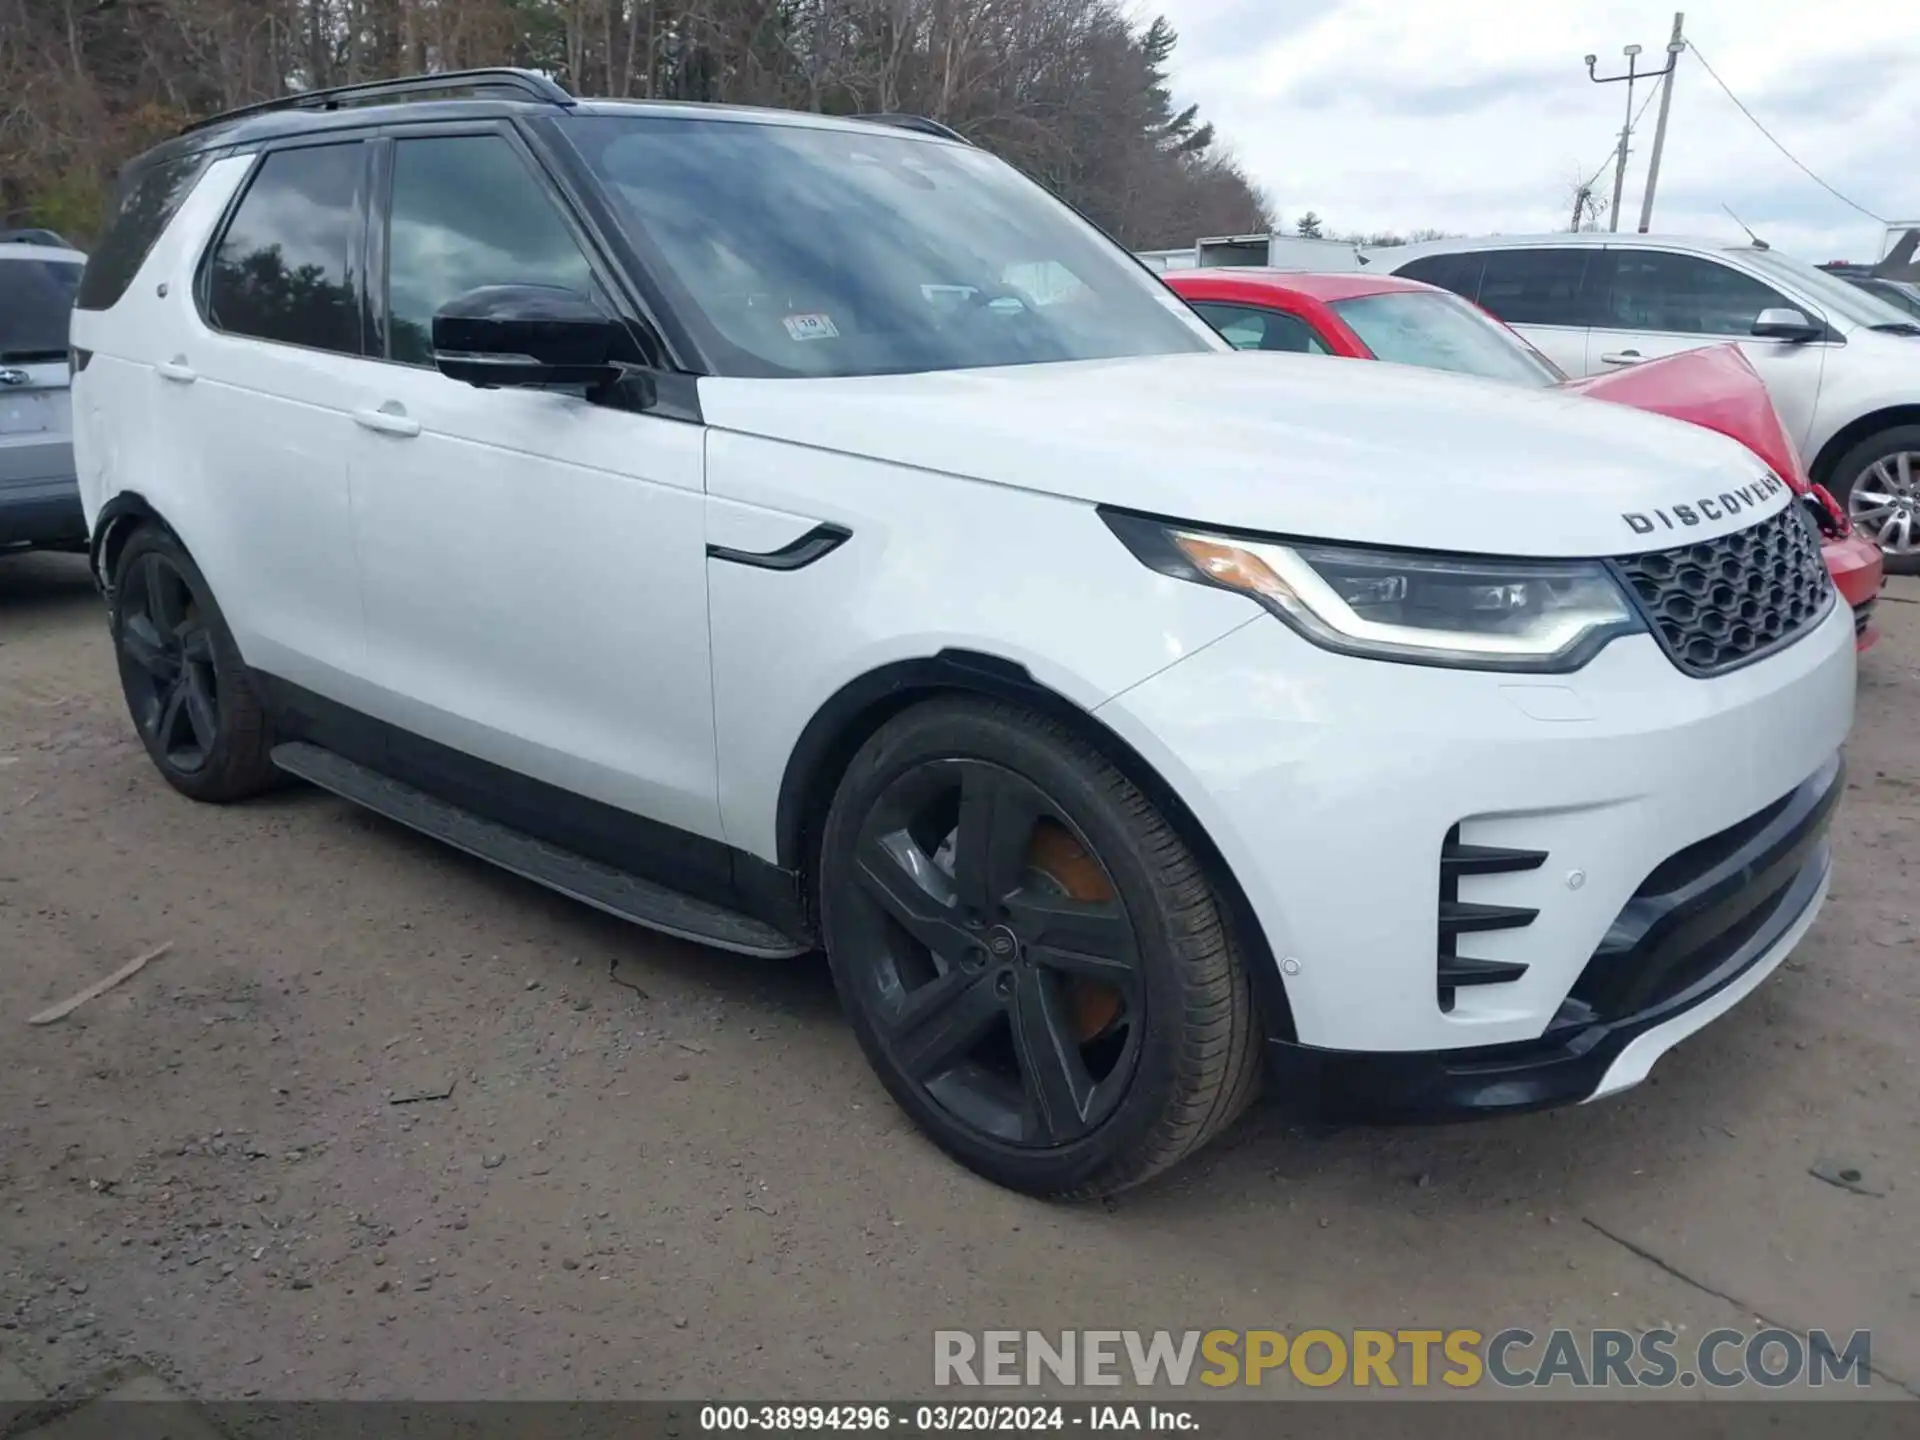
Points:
[(915, 122), (496, 80)]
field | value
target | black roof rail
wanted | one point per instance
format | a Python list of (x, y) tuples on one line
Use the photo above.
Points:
[(496, 80), (915, 122)]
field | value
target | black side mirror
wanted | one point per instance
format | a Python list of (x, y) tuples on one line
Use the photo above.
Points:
[(1781, 322), (524, 335)]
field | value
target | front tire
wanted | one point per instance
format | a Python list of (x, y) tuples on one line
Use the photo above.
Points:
[(186, 686), (1032, 960), (1878, 481)]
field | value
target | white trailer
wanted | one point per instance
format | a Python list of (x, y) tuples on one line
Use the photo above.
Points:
[(1272, 252)]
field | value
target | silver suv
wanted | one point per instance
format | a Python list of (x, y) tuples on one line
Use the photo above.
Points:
[(39, 498)]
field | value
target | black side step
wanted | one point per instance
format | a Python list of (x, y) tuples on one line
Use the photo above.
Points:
[(588, 881)]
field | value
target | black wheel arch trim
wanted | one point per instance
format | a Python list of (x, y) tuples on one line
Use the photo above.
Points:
[(116, 520), (1854, 432), (843, 724), (822, 540)]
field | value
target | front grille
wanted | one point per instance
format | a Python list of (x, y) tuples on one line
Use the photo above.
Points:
[(1724, 602)]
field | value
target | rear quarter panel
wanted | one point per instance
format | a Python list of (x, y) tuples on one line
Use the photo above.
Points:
[(117, 441)]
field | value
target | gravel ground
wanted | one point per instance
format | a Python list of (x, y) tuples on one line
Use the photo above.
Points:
[(653, 1170)]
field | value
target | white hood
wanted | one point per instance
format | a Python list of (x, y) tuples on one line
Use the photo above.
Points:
[(1290, 445)]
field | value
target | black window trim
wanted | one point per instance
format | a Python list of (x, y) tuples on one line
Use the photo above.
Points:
[(645, 336), (649, 312), (357, 235), (1614, 249)]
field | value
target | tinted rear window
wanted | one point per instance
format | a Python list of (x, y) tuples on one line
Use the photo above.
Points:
[(284, 268), (36, 298), (149, 199), (1458, 273), (1537, 286)]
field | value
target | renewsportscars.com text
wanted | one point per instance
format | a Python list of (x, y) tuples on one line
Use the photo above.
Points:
[(1512, 1358)]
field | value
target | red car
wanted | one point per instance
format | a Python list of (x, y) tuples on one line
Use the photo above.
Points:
[(1385, 317)]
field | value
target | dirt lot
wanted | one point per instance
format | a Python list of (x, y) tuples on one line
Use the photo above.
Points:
[(662, 1171)]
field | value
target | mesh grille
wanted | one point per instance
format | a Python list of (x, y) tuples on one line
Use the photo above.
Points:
[(1726, 601)]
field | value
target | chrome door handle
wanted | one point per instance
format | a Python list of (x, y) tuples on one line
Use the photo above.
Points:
[(1622, 357), (389, 419), (177, 370)]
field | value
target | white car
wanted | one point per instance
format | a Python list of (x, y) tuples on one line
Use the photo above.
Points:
[(619, 492), (1843, 366)]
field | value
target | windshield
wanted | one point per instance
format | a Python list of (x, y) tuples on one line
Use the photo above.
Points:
[(1443, 332), (36, 299), (1830, 292), (808, 250), (1897, 293)]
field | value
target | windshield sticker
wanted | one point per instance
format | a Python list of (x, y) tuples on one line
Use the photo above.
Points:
[(812, 327)]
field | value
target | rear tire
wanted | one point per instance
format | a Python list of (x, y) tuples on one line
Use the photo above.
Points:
[(187, 689), (1881, 494), (1032, 960)]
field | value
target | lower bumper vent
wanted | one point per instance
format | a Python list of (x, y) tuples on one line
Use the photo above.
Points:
[(1460, 861)]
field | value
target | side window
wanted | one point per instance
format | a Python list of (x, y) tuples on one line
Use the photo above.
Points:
[(1246, 328), (1458, 273), (467, 212), (284, 269), (149, 199), (1536, 287), (1684, 294)]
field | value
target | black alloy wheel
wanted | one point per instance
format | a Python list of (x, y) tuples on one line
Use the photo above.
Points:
[(1034, 962), (167, 663), (187, 689), (1006, 974)]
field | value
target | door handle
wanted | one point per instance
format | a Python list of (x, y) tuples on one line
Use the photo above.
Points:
[(390, 419), (1622, 357), (177, 370)]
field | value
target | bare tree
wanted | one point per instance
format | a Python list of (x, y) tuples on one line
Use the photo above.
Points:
[(1072, 91)]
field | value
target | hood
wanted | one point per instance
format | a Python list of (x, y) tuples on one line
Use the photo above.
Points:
[(1290, 445), (1716, 387)]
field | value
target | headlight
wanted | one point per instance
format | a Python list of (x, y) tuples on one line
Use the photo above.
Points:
[(1425, 609)]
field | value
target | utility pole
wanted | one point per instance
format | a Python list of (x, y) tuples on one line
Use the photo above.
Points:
[(1632, 52), (1580, 207), (1674, 47)]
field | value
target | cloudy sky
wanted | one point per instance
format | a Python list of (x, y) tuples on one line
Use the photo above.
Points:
[(1477, 115)]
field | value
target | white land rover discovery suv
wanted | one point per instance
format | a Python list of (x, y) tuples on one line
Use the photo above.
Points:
[(799, 533)]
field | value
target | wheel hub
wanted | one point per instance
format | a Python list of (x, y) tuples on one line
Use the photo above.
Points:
[(167, 664), (1003, 971), (1884, 502)]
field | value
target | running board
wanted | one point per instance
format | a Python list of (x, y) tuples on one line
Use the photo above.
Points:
[(602, 886)]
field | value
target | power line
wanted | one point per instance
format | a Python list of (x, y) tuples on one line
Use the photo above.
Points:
[(1694, 46)]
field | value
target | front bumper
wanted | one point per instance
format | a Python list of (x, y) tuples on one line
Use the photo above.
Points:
[(1859, 570), (39, 496), (1689, 946), (1332, 787)]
